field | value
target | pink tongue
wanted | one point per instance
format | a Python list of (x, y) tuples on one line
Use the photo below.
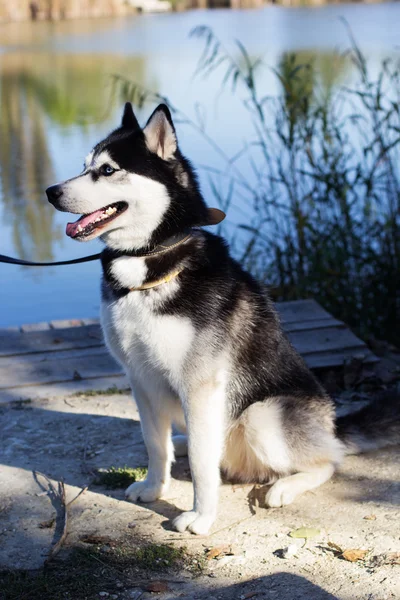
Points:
[(72, 228)]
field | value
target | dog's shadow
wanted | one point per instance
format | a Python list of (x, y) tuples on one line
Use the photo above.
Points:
[(181, 472)]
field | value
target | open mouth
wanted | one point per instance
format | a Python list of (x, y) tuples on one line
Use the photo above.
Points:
[(87, 224)]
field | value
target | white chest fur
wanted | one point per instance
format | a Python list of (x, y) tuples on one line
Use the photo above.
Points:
[(139, 337)]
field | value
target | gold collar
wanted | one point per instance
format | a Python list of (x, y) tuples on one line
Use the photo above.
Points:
[(157, 282)]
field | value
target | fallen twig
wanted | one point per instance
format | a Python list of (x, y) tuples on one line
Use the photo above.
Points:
[(82, 491), (64, 506), (60, 496), (232, 525), (64, 516)]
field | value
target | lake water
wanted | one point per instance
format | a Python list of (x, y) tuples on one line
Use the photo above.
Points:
[(56, 101)]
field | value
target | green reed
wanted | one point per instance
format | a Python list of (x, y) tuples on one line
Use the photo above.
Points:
[(324, 185)]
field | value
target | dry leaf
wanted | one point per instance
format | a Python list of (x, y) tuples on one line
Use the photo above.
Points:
[(370, 518), (354, 555), (213, 553), (47, 524), (335, 547), (157, 587), (304, 532), (218, 551)]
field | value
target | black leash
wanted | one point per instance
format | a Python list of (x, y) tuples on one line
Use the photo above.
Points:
[(160, 249), (170, 243), (215, 216), (26, 263)]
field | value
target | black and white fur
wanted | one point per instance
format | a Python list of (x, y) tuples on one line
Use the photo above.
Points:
[(205, 351)]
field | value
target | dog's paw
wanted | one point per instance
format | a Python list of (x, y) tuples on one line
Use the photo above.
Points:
[(180, 445), (281, 493), (144, 491), (194, 522)]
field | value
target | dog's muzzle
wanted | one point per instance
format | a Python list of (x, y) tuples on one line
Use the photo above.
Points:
[(54, 194)]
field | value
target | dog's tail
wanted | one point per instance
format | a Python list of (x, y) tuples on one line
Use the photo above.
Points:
[(375, 426)]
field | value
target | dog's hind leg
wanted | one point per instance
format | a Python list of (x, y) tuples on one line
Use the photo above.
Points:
[(180, 443), (180, 440), (284, 442), (285, 490), (291, 447)]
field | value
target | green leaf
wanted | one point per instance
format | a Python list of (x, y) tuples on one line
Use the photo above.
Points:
[(304, 532)]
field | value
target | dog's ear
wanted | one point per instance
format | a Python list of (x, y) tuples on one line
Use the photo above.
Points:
[(215, 216), (160, 133), (129, 121)]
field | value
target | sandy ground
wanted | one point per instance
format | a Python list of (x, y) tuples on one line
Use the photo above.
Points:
[(69, 438)]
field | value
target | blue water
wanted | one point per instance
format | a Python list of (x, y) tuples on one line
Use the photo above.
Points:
[(56, 102)]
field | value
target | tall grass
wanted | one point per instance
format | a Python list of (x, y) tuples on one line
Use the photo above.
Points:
[(324, 183)]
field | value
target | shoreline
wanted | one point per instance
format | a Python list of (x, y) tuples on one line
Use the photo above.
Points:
[(24, 14)]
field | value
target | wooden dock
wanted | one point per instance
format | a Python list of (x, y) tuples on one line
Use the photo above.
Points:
[(62, 357)]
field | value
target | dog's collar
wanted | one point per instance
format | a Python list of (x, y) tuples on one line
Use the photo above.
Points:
[(152, 284), (168, 244), (161, 249), (214, 217), (172, 242)]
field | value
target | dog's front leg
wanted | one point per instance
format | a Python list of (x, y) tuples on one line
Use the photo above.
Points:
[(156, 428), (204, 412)]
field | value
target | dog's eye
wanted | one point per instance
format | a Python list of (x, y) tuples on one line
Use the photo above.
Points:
[(106, 170)]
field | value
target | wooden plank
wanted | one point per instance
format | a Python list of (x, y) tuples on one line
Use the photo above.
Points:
[(301, 310), (312, 325), (52, 340), (9, 331), (337, 359), (90, 336), (99, 363), (93, 321), (35, 327), (332, 348), (42, 357), (37, 359), (65, 323), (324, 340)]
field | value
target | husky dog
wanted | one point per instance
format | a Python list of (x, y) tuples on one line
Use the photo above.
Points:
[(198, 337)]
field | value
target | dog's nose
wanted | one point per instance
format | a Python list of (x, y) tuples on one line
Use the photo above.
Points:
[(54, 193)]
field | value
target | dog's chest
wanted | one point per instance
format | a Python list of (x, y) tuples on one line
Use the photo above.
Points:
[(143, 340)]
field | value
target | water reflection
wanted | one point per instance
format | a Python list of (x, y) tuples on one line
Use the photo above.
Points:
[(37, 93), (40, 92)]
